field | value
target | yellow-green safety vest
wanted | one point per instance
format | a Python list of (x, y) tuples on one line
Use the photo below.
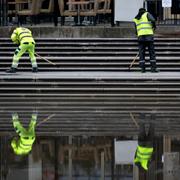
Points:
[(21, 35), (143, 26), (24, 145), (143, 156)]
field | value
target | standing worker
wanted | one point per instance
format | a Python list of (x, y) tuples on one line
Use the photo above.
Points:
[(23, 37), (145, 26), (145, 148), (23, 145)]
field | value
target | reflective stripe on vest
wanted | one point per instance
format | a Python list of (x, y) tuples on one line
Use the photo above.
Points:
[(26, 144), (143, 155), (24, 35), (143, 26)]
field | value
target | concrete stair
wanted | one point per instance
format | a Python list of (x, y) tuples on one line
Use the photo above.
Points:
[(92, 54), (87, 93)]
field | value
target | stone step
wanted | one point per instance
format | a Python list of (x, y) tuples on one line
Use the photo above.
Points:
[(91, 53), (89, 91)]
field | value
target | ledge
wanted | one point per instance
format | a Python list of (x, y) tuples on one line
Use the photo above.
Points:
[(91, 31)]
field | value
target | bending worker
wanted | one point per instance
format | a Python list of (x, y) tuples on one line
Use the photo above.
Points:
[(145, 26), (23, 144), (23, 37), (145, 148)]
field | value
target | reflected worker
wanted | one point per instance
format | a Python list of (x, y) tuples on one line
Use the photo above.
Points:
[(23, 144), (23, 37), (145, 148)]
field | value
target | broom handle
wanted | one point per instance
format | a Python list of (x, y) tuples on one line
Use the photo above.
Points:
[(46, 119), (133, 60), (45, 59), (134, 120)]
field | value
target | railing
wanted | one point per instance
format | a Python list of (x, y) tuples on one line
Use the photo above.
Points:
[(94, 8), (80, 9), (3, 12), (165, 15)]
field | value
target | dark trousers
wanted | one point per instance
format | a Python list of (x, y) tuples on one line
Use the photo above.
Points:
[(142, 49), (149, 44), (146, 139)]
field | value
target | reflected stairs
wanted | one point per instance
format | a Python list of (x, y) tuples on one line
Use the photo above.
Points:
[(90, 90)]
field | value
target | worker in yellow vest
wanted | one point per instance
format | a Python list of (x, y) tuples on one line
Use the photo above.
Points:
[(23, 144), (145, 148), (23, 37), (145, 26)]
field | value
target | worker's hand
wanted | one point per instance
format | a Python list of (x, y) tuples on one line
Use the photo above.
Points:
[(16, 42), (35, 114), (15, 116), (154, 26)]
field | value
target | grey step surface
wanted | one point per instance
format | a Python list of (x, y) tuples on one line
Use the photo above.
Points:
[(90, 90), (93, 103), (103, 54)]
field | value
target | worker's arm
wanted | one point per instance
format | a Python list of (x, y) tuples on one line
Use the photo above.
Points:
[(135, 28), (152, 19), (14, 37)]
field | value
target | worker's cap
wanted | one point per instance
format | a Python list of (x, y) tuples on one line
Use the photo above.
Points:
[(141, 10)]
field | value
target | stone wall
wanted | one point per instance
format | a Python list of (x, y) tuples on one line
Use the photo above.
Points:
[(91, 32)]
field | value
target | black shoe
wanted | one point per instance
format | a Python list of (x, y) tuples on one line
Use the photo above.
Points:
[(34, 69), (11, 70), (154, 70), (143, 70)]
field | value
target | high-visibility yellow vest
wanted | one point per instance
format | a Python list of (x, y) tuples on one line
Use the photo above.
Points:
[(24, 145), (21, 35), (143, 156), (143, 26)]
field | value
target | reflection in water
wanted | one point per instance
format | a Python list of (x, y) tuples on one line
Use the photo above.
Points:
[(144, 150), (69, 157), (76, 157), (22, 145), (89, 156)]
